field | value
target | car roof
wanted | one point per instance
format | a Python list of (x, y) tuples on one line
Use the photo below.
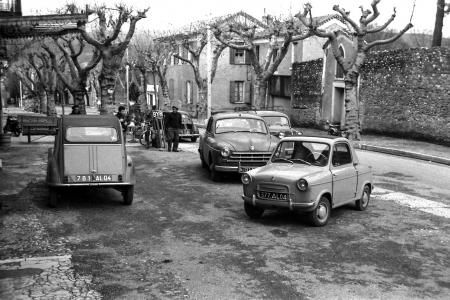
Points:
[(227, 115), (90, 120), (266, 113)]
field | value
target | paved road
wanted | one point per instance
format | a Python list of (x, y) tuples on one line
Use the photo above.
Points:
[(186, 237)]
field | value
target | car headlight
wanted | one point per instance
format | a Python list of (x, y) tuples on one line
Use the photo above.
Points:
[(281, 135), (302, 185), (246, 179), (225, 152)]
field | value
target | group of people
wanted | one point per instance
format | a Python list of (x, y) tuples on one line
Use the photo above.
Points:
[(172, 122)]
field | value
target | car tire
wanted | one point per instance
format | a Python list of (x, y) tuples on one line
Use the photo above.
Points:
[(320, 215), (253, 212), (52, 197), (361, 204), (193, 139), (127, 194)]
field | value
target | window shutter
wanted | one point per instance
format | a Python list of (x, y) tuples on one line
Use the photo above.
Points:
[(232, 91), (232, 55), (247, 92), (246, 57)]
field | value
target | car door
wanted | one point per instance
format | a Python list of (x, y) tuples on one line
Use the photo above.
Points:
[(344, 174), (206, 139)]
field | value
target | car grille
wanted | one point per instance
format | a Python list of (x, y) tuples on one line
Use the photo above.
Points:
[(250, 157), (272, 187)]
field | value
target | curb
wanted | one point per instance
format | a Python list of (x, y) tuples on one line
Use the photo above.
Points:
[(415, 155)]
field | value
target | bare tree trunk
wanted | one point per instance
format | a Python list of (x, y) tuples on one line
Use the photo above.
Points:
[(78, 99), (352, 118), (42, 102), (259, 95), (107, 80), (201, 109), (51, 106), (439, 23)]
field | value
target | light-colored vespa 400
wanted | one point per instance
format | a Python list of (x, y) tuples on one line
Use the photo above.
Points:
[(90, 151), (308, 174)]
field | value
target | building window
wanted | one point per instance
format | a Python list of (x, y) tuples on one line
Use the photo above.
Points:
[(339, 73), (274, 54), (237, 92), (280, 86), (239, 57), (188, 92), (257, 49)]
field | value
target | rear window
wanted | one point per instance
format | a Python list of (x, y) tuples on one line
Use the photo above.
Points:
[(276, 121), (92, 135), (240, 125)]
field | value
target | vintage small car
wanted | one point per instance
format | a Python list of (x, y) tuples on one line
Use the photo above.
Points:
[(189, 130), (308, 174), (89, 151), (278, 122), (235, 142)]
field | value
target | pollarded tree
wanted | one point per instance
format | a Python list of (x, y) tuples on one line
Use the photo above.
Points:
[(193, 42), (352, 66), (47, 81), (112, 48), (72, 48), (242, 36)]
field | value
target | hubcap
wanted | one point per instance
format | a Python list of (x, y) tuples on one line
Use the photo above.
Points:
[(322, 212), (365, 199)]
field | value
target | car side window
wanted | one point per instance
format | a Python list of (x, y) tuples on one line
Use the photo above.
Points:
[(341, 155)]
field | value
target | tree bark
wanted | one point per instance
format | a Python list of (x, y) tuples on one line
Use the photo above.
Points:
[(42, 102), (107, 79), (51, 106), (259, 95), (439, 23)]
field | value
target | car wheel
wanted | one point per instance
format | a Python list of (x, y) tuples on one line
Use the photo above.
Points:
[(193, 139), (52, 197), (320, 215), (127, 194), (361, 204), (253, 212)]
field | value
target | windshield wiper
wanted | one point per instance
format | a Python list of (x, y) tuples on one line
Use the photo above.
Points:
[(282, 159), (303, 161)]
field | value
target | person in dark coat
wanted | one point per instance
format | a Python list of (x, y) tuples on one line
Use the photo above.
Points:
[(76, 110), (121, 115), (173, 125)]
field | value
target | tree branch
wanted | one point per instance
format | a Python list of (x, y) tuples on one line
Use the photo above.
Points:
[(57, 70), (375, 14), (346, 17), (382, 27), (368, 46)]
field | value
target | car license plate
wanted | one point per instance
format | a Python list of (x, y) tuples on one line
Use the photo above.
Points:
[(245, 169), (93, 178), (272, 196)]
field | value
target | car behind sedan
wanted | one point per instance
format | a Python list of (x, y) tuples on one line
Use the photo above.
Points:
[(89, 151), (308, 174)]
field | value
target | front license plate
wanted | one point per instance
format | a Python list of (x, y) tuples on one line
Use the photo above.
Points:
[(93, 178), (245, 169), (272, 196)]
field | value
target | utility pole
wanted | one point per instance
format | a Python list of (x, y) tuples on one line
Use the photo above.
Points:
[(127, 69), (208, 75)]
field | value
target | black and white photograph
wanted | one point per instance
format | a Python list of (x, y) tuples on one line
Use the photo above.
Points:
[(225, 150)]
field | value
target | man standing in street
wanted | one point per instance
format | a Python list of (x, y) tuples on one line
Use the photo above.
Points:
[(173, 125)]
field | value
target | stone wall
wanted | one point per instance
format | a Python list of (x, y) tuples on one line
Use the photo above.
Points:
[(306, 93), (403, 93), (407, 93)]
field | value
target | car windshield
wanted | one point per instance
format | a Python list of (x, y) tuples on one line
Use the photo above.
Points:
[(92, 134), (276, 121), (302, 152), (240, 125)]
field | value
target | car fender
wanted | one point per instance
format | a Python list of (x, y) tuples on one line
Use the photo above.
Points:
[(322, 193), (53, 175)]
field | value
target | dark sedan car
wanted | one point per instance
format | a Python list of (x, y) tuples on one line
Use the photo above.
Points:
[(188, 130), (235, 142), (278, 122)]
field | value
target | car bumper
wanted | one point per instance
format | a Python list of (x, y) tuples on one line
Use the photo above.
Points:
[(91, 184), (237, 168), (275, 204), (189, 135)]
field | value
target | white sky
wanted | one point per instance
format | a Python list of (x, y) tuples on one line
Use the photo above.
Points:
[(170, 14)]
